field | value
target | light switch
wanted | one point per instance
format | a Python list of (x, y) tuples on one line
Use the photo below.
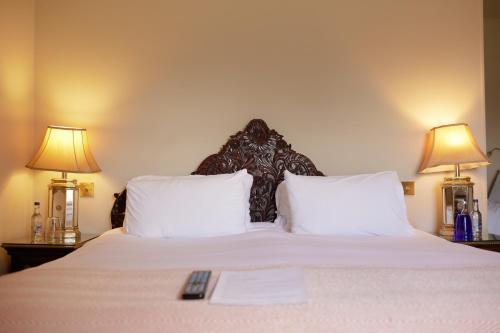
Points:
[(87, 190), (408, 188)]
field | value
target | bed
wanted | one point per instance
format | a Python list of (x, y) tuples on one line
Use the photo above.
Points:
[(360, 283)]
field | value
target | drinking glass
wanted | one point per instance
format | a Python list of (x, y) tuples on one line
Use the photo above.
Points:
[(53, 230)]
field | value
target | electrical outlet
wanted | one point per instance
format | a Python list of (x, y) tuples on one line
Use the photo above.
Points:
[(408, 188), (87, 190)]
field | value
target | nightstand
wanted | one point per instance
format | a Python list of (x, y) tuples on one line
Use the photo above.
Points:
[(24, 253), (488, 243)]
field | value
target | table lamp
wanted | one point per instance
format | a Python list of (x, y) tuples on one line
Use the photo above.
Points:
[(65, 149), (452, 147)]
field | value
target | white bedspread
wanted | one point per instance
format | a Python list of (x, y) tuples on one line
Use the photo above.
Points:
[(121, 283)]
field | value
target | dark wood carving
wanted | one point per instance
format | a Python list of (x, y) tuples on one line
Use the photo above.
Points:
[(118, 210), (265, 155)]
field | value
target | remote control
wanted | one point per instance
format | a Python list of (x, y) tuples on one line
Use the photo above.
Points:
[(196, 285)]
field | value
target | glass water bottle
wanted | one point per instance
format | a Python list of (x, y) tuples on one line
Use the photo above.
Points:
[(463, 226), (36, 224), (477, 221)]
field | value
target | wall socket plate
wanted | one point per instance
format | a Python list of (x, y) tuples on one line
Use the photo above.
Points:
[(86, 190), (408, 188)]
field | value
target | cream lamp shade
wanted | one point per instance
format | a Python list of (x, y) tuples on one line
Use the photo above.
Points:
[(452, 147), (64, 149)]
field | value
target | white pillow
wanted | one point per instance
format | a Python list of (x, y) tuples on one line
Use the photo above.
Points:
[(282, 206), (246, 178), (371, 204), (188, 206)]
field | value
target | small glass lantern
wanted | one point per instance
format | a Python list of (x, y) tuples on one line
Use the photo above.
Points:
[(63, 203), (457, 192)]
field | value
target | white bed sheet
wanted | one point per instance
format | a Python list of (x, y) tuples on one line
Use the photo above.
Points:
[(273, 247), (122, 283)]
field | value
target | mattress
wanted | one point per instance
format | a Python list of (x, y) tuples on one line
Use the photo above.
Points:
[(120, 282)]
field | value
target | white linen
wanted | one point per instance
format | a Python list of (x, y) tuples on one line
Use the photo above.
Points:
[(267, 248), (262, 286), (282, 206), (123, 283), (189, 206), (347, 205), (259, 226)]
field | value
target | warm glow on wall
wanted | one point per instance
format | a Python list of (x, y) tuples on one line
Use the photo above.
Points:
[(15, 185), (430, 114), (15, 81), (428, 93), (80, 98), (429, 104), (11, 182)]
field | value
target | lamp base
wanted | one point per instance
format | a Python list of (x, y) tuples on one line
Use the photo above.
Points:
[(72, 234), (447, 232), (63, 204), (457, 192)]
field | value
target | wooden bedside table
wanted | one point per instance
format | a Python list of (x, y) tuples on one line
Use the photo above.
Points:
[(24, 253), (488, 243)]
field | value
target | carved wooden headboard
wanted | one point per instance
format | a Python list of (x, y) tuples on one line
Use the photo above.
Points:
[(261, 151)]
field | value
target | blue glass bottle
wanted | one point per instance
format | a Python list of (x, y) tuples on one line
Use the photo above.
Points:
[(463, 226)]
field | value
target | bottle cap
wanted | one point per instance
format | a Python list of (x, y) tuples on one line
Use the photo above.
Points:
[(37, 203), (474, 200)]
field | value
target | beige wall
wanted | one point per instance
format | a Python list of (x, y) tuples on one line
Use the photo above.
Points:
[(355, 85), (16, 119), (492, 80)]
